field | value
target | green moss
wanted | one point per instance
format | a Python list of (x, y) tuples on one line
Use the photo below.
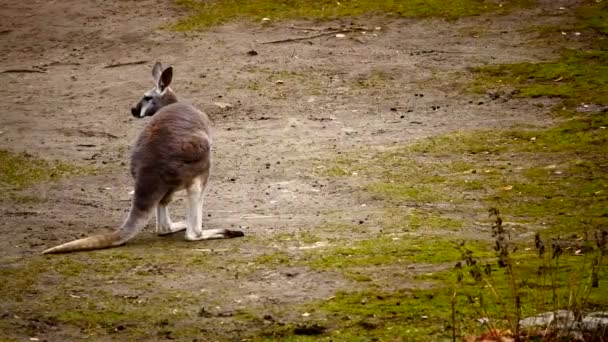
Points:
[(374, 79), (387, 250), (102, 312), (426, 314), (405, 192), (579, 76), (552, 177), (210, 13), (580, 133), (97, 310), (275, 259), (18, 171), (593, 15), (400, 315), (336, 171)]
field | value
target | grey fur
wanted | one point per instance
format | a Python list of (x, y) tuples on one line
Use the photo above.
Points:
[(172, 153)]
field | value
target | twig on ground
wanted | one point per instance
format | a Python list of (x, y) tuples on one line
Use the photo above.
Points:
[(21, 71), (329, 33), (353, 28), (114, 65)]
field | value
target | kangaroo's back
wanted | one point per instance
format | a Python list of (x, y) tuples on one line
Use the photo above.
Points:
[(175, 145)]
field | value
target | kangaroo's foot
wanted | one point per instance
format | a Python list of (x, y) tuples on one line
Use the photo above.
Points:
[(164, 226), (172, 227), (212, 234)]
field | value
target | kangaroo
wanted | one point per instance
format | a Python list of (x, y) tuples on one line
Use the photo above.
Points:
[(172, 153)]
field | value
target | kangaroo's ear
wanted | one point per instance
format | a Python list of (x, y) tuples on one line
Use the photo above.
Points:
[(165, 78), (156, 72)]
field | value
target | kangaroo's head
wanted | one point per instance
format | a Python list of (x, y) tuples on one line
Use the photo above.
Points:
[(157, 97)]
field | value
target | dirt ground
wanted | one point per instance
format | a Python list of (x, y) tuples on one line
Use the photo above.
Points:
[(292, 105)]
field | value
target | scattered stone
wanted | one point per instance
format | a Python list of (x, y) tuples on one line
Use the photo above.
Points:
[(544, 319), (565, 320), (340, 35), (595, 321), (349, 131), (494, 95), (252, 53), (591, 108), (223, 105), (291, 274), (280, 82)]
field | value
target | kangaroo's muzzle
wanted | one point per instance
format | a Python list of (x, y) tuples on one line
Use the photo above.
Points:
[(135, 111)]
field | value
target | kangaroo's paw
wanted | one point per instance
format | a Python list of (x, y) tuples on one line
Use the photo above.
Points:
[(212, 234), (173, 227)]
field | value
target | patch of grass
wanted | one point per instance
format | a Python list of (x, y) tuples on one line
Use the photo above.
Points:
[(400, 220), (553, 177), (374, 79), (145, 309), (477, 289), (101, 312), (577, 77), (556, 176), (210, 13), (580, 133), (432, 222), (594, 15), (386, 316), (388, 250), (274, 259), (425, 314), (18, 171), (400, 192)]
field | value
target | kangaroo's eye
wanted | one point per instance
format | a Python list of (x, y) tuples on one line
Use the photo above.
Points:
[(147, 98)]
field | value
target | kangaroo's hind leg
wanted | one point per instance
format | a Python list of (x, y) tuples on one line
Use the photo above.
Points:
[(195, 214), (164, 225)]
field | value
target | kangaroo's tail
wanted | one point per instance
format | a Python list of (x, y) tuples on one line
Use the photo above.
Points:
[(92, 242), (135, 222)]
